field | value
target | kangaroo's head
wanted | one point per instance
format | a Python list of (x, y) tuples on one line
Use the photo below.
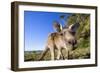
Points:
[(68, 33)]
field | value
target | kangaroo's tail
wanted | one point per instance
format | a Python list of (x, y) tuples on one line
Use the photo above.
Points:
[(43, 53)]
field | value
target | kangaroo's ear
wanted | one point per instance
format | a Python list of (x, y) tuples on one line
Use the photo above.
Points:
[(74, 27), (57, 26)]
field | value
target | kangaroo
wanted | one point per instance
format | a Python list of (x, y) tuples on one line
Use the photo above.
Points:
[(64, 37)]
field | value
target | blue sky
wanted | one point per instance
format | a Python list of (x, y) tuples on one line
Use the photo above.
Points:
[(37, 26)]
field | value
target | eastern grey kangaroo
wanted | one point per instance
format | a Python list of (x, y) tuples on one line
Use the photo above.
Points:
[(63, 38)]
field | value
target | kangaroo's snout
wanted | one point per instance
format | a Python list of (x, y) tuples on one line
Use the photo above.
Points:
[(72, 43)]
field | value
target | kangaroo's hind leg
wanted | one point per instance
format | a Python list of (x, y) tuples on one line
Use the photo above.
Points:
[(58, 53), (52, 51)]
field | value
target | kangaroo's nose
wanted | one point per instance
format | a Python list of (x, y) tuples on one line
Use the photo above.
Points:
[(72, 42)]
